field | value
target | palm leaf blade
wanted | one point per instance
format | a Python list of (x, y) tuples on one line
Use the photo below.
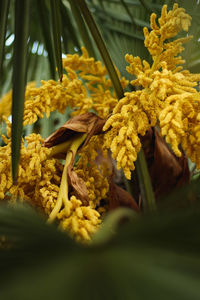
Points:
[(56, 26), (19, 78)]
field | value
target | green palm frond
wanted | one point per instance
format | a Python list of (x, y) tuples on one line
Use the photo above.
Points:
[(123, 32), (157, 254)]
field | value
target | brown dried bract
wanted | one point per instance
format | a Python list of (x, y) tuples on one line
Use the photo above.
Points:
[(118, 197), (77, 183), (166, 170), (86, 123)]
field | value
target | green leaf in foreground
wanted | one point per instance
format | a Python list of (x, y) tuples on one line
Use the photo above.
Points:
[(22, 8), (150, 256)]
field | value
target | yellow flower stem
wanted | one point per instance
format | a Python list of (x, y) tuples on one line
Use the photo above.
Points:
[(154, 64), (60, 148), (63, 191)]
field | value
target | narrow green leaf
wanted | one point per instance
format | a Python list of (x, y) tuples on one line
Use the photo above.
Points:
[(146, 6), (128, 12), (117, 15), (4, 9), (82, 28), (56, 29), (43, 14), (101, 46), (124, 32), (68, 30), (22, 8)]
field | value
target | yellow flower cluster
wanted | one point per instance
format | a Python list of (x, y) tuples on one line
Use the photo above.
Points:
[(38, 173), (94, 174), (55, 95), (39, 182), (169, 95), (6, 101), (80, 221), (128, 120), (5, 105)]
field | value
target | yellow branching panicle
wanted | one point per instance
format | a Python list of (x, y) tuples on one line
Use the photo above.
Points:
[(165, 95), (43, 180), (169, 95)]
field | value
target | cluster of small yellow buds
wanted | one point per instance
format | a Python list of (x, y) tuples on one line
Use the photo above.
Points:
[(80, 221), (94, 175), (128, 121), (169, 97)]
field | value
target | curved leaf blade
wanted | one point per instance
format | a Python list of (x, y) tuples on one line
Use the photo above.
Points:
[(22, 8), (42, 11), (101, 46)]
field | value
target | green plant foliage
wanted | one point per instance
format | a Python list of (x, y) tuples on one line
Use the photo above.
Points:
[(157, 254), (19, 78), (56, 29)]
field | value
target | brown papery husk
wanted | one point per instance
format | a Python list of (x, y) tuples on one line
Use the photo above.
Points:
[(166, 170), (77, 183), (118, 197), (86, 123)]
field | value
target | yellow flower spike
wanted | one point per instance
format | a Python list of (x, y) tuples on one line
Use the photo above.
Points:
[(63, 192), (82, 221), (167, 96)]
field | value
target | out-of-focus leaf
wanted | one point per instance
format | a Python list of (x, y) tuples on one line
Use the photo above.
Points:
[(56, 29), (4, 9), (22, 8), (149, 256), (111, 224)]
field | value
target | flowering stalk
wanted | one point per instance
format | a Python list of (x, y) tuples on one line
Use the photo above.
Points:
[(146, 186), (63, 191), (63, 147)]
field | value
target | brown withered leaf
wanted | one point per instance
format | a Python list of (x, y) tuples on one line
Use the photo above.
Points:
[(166, 170), (77, 183), (118, 197), (86, 123)]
